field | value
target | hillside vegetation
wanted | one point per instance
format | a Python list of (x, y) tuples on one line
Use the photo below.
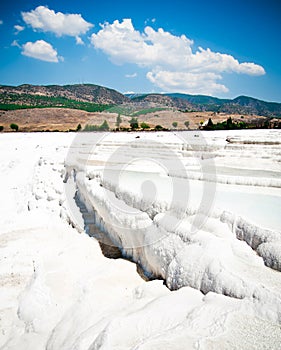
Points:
[(92, 98), (240, 105), (78, 92), (12, 101)]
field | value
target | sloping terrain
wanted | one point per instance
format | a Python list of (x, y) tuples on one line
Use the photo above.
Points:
[(33, 94), (64, 119), (243, 105), (92, 98), (63, 108)]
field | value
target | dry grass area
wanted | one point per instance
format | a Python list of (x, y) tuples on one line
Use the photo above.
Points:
[(63, 119), (166, 118)]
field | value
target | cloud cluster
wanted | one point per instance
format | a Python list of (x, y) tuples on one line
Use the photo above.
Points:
[(42, 18), (40, 50), (46, 20), (172, 65)]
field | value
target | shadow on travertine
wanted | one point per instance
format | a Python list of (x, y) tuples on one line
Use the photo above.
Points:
[(108, 248)]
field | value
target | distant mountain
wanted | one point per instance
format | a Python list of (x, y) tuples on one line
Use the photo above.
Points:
[(200, 99), (92, 97), (239, 105), (78, 92), (165, 100), (250, 105)]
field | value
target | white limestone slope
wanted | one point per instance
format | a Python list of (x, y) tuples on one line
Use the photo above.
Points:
[(57, 290)]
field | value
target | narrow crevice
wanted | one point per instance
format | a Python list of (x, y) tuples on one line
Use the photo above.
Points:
[(108, 248)]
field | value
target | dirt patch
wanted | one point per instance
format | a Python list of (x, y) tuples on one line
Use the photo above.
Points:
[(63, 119)]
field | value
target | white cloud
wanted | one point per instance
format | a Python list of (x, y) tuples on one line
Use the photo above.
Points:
[(172, 64), (185, 82), (18, 28), (59, 23), (131, 75), (124, 44), (1, 22), (15, 43), (79, 41), (206, 60), (41, 50)]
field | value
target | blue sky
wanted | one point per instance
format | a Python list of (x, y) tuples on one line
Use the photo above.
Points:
[(219, 48)]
